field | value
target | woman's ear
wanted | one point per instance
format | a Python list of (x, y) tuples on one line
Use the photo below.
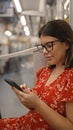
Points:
[(67, 46)]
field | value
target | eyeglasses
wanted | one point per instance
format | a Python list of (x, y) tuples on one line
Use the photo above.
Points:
[(48, 46)]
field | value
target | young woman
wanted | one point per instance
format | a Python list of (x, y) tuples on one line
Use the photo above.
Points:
[(51, 100)]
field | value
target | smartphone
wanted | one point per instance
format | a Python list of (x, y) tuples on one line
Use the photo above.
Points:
[(12, 84)]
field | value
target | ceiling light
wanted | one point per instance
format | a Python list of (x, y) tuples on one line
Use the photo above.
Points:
[(66, 4), (23, 20), (27, 32), (18, 6), (8, 33), (65, 16)]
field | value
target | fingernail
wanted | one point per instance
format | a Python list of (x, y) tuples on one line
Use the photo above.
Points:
[(30, 89), (23, 87)]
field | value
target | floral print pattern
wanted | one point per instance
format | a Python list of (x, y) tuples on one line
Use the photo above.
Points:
[(55, 95)]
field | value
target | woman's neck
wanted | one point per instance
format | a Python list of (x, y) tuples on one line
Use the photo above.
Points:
[(58, 69)]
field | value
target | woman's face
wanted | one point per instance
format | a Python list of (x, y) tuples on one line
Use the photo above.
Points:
[(56, 53)]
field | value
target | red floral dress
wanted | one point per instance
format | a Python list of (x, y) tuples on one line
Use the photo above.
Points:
[(55, 95)]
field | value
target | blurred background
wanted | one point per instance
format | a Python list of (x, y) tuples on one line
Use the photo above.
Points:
[(20, 21)]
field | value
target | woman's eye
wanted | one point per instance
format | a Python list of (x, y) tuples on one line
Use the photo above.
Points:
[(49, 45)]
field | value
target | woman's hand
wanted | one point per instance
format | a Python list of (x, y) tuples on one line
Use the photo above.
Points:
[(28, 97)]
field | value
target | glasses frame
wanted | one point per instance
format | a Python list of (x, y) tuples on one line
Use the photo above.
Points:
[(49, 48)]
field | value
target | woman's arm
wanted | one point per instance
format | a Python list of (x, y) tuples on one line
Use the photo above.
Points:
[(57, 121)]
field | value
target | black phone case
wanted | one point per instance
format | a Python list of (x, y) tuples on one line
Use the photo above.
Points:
[(13, 84)]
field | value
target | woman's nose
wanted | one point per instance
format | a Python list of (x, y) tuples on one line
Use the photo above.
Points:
[(45, 50)]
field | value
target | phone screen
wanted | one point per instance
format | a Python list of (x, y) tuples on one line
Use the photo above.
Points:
[(13, 84)]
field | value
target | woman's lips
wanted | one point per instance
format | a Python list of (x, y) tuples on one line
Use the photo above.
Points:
[(49, 57)]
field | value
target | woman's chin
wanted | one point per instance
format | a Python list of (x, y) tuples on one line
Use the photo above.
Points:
[(52, 66), (50, 63)]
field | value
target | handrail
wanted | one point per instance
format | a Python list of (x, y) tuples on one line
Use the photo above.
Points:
[(20, 53)]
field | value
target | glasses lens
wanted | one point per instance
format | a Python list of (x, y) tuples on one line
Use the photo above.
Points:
[(49, 46)]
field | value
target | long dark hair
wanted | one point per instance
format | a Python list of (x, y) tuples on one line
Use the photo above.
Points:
[(61, 30)]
